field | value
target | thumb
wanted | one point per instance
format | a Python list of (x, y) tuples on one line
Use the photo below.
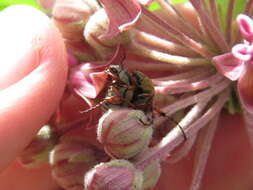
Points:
[(33, 74)]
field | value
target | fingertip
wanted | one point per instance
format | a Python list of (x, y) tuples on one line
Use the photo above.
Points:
[(34, 80), (37, 178)]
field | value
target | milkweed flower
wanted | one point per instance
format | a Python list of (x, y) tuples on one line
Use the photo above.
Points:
[(193, 59), (237, 65)]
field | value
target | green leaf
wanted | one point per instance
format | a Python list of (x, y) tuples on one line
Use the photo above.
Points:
[(7, 3), (154, 6)]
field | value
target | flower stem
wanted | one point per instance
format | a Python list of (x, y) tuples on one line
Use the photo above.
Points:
[(179, 35), (193, 114), (168, 58), (175, 137), (193, 74), (202, 153), (248, 119), (178, 21), (229, 21), (210, 26), (162, 44), (185, 102), (189, 86)]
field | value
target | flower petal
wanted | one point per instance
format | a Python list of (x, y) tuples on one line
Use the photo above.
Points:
[(122, 15), (245, 88), (245, 24), (242, 52), (229, 66), (88, 79), (87, 83)]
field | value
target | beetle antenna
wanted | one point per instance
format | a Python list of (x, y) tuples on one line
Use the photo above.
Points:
[(173, 120), (93, 107)]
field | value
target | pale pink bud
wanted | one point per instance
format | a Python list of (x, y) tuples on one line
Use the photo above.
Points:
[(151, 172), (96, 27), (37, 152), (151, 175), (71, 16), (114, 175), (124, 133), (71, 159), (81, 50), (46, 4)]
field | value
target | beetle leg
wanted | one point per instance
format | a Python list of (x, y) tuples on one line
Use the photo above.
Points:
[(144, 95), (150, 122), (124, 85), (116, 99)]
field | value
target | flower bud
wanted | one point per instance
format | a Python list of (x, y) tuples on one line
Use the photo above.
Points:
[(96, 26), (151, 175), (151, 172), (70, 16), (82, 51), (46, 4), (124, 132), (114, 175), (37, 152), (71, 159)]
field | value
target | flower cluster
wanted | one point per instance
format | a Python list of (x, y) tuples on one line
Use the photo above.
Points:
[(143, 82)]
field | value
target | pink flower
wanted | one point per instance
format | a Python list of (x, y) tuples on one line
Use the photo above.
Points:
[(237, 65), (122, 14), (88, 79), (181, 90)]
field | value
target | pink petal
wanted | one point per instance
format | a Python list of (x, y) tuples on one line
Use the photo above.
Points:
[(245, 24), (89, 79), (122, 15), (229, 66), (72, 61), (118, 57), (245, 88), (242, 52), (87, 83), (100, 80)]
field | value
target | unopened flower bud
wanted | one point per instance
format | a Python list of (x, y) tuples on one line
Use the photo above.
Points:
[(151, 172), (151, 175), (124, 132), (114, 175), (71, 160), (96, 26), (37, 152), (46, 4), (70, 16), (82, 51)]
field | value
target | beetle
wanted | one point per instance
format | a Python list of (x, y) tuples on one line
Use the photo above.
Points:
[(121, 90), (130, 89)]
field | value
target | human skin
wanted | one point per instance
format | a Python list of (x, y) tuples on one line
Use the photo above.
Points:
[(32, 77)]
